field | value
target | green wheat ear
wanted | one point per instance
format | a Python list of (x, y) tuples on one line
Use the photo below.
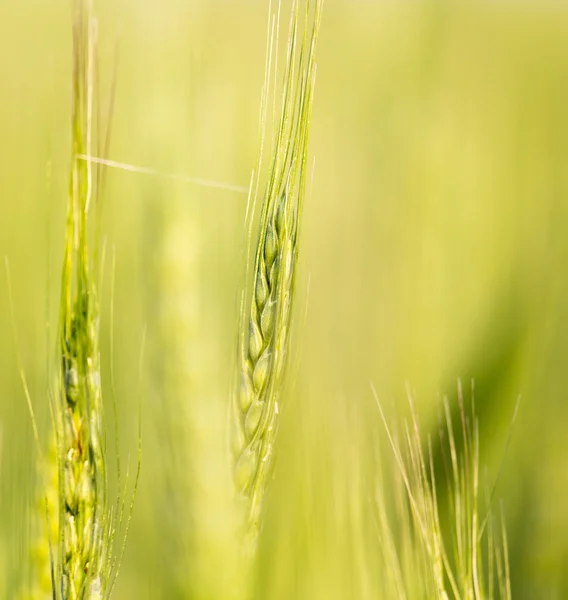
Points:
[(466, 558), (263, 343), (84, 565), (83, 533)]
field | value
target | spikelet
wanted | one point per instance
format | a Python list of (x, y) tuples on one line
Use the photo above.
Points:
[(265, 327)]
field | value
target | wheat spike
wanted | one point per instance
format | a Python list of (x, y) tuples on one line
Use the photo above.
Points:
[(83, 532), (264, 331)]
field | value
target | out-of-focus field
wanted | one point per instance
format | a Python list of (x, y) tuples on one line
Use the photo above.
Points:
[(434, 240)]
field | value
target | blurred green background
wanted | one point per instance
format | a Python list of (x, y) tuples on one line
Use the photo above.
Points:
[(434, 242)]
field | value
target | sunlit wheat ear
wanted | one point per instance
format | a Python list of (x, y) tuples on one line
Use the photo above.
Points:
[(265, 326), (79, 413), (451, 560)]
